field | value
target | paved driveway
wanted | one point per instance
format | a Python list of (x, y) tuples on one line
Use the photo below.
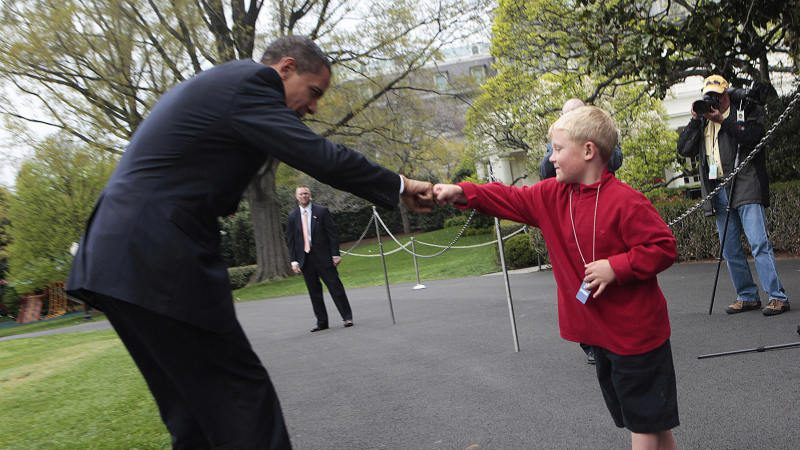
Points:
[(446, 375)]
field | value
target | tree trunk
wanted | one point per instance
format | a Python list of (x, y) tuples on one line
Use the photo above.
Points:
[(271, 254), (404, 218)]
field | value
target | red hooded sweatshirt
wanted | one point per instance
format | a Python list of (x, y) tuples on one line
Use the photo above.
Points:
[(630, 317)]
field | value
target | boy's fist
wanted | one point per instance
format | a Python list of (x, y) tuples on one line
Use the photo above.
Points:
[(449, 194)]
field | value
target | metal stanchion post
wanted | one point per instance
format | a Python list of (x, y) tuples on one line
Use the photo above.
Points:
[(508, 285), (383, 259), (416, 267)]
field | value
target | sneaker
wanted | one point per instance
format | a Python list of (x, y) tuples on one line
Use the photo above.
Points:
[(742, 306), (775, 307)]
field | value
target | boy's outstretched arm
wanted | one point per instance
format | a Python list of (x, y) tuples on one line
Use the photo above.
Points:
[(449, 194)]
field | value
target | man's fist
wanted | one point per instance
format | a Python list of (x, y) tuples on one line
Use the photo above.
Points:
[(417, 195)]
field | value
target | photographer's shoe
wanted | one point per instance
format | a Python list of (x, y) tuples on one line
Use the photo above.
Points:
[(775, 307), (742, 306)]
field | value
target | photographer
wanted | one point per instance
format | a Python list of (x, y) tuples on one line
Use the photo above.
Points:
[(719, 131)]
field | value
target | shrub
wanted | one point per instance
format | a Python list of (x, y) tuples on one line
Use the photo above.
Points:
[(240, 276), (55, 193), (9, 300), (697, 234), (238, 245), (519, 252), (455, 221), (784, 227)]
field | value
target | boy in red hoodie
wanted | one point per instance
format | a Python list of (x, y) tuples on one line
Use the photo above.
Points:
[(607, 244)]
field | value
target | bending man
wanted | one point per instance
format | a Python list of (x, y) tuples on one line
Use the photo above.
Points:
[(150, 258)]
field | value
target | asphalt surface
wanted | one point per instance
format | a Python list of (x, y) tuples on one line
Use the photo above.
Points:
[(446, 375)]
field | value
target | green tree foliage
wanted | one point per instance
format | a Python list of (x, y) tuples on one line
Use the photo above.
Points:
[(663, 42), (412, 129), (94, 68), (5, 239), (541, 63), (55, 193), (623, 42), (238, 244)]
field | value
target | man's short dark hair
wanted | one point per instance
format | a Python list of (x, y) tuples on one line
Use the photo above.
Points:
[(309, 57)]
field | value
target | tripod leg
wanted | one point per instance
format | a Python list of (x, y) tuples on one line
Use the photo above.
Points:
[(721, 249)]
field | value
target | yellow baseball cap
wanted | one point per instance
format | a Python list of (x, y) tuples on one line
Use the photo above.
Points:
[(715, 83)]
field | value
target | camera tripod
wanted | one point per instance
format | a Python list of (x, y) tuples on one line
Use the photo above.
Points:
[(761, 349), (724, 234)]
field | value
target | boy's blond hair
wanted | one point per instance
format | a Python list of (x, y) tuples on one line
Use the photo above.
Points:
[(589, 123)]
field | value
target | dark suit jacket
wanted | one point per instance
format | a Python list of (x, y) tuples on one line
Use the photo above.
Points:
[(153, 238), (324, 236)]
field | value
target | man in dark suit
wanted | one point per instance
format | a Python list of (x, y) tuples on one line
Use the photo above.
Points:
[(313, 243), (150, 257)]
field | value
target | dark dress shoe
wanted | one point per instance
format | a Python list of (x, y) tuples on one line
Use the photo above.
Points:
[(319, 328), (348, 323)]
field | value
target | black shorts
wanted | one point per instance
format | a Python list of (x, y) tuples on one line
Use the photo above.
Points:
[(639, 390)]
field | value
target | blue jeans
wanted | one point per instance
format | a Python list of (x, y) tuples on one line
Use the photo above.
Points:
[(750, 218)]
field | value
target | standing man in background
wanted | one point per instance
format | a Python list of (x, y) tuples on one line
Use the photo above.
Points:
[(721, 136), (313, 242)]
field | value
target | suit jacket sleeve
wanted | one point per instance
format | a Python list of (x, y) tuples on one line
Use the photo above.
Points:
[(261, 118), (291, 233), (331, 231)]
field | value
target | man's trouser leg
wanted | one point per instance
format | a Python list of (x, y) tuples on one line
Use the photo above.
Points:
[(738, 269), (330, 275), (754, 222), (311, 277), (210, 387)]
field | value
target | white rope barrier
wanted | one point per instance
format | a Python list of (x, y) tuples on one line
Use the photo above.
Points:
[(401, 247), (484, 244)]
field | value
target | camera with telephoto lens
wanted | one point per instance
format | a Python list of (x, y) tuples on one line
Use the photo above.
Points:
[(710, 100), (756, 94)]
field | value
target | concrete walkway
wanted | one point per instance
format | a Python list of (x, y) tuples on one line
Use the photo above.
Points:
[(446, 375)]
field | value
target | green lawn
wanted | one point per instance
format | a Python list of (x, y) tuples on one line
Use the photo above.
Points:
[(357, 271), (75, 391), (76, 318), (82, 390)]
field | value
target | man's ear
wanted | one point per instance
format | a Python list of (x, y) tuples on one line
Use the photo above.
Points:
[(286, 66)]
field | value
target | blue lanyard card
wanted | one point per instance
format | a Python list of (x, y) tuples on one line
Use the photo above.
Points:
[(583, 293)]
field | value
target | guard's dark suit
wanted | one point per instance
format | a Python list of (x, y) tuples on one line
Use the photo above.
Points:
[(150, 257), (319, 262)]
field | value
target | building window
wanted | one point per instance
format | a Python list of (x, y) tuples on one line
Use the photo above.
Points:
[(441, 81), (478, 73)]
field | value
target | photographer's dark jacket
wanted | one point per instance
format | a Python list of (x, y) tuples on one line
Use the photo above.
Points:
[(752, 183)]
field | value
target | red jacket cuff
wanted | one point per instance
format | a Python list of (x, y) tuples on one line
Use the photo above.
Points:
[(470, 192), (622, 267)]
